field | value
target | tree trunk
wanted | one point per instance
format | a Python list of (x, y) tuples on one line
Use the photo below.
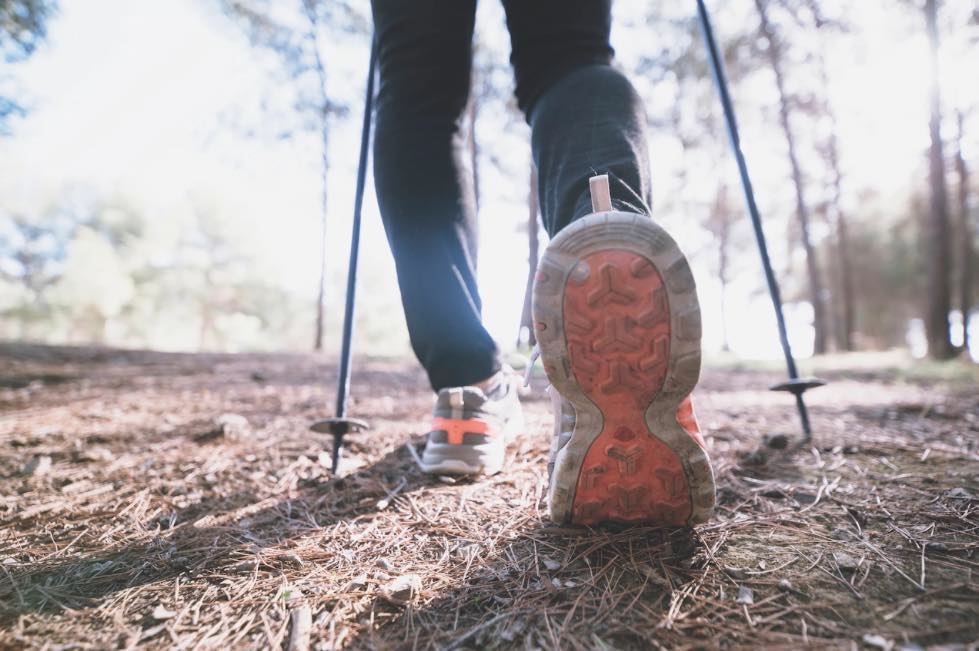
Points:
[(846, 283), (967, 234), (844, 266), (533, 252), (802, 209), (938, 245), (321, 291), (722, 227), (312, 35), (472, 111), (847, 307)]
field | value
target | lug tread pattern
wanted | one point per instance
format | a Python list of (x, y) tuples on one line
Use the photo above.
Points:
[(617, 319), (627, 469)]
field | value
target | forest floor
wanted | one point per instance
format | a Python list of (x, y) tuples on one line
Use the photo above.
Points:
[(159, 500)]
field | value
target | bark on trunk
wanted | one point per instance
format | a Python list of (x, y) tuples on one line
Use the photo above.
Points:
[(472, 111), (722, 227), (472, 143), (844, 267), (847, 304), (321, 291), (802, 209), (967, 234), (312, 35), (938, 244), (533, 252)]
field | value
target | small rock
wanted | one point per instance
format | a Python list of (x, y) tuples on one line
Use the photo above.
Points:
[(745, 595), (776, 441), (161, 612), (735, 573), (246, 566), (38, 466), (292, 558), (773, 493), (233, 426), (550, 564), (93, 454), (846, 561), (359, 581), (959, 493), (878, 642), (804, 498), (402, 589), (385, 564)]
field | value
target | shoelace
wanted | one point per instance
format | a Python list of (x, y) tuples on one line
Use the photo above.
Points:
[(534, 356)]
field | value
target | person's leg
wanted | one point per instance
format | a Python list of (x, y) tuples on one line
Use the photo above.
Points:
[(615, 304), (424, 189), (586, 117)]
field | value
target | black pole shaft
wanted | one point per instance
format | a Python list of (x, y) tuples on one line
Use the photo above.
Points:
[(720, 80), (343, 383)]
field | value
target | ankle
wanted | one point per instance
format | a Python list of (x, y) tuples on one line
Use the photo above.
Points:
[(491, 383)]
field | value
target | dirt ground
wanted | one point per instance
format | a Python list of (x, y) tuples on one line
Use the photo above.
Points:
[(179, 501)]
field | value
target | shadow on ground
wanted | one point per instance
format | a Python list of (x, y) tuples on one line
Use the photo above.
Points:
[(130, 516)]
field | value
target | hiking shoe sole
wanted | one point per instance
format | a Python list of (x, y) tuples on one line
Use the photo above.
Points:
[(618, 324)]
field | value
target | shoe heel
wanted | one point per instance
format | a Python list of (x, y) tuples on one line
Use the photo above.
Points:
[(617, 318)]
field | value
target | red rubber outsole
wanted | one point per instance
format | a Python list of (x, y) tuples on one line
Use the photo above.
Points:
[(617, 324)]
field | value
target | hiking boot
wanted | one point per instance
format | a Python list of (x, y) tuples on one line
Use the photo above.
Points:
[(471, 427), (618, 325)]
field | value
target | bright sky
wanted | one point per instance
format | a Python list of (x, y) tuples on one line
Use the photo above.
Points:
[(135, 98)]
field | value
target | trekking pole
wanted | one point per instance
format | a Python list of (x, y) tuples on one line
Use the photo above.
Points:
[(341, 425), (795, 385)]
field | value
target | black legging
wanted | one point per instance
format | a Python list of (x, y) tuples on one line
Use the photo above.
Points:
[(585, 118)]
